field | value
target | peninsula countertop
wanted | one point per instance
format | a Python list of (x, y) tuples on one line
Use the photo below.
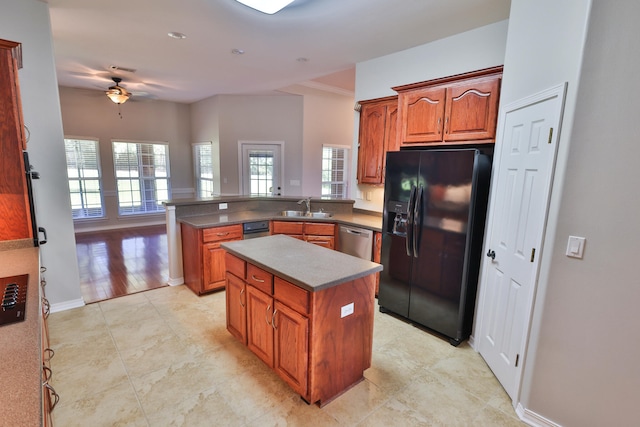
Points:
[(372, 222), (306, 265)]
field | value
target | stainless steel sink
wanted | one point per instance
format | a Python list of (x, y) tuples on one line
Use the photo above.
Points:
[(319, 214), (308, 214), (292, 213)]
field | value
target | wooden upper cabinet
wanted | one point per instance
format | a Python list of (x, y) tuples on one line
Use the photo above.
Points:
[(449, 110), (472, 110), (422, 115), (378, 131)]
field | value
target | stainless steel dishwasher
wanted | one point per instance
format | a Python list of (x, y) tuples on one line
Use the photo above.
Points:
[(355, 241)]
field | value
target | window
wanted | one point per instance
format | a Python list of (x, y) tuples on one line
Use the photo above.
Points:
[(203, 166), (334, 172), (142, 176), (83, 171)]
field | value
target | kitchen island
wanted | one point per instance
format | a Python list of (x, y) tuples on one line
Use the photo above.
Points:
[(306, 311)]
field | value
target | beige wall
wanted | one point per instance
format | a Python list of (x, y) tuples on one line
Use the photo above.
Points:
[(584, 371), (89, 113), (327, 119)]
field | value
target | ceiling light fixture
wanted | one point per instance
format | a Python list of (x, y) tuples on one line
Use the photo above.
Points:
[(266, 6), (118, 94)]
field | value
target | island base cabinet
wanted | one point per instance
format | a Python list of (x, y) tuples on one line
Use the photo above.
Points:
[(259, 329), (291, 338), (236, 307), (318, 342), (341, 344)]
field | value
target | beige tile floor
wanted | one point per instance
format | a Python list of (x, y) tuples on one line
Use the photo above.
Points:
[(164, 358)]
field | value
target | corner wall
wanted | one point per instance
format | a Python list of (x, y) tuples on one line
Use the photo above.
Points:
[(27, 22)]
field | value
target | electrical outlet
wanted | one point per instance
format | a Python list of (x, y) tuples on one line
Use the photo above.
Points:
[(222, 206), (346, 310)]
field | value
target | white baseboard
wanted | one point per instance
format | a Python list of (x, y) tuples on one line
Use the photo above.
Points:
[(67, 305), (176, 282), (534, 419)]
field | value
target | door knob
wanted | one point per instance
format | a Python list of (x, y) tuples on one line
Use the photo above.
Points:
[(491, 254)]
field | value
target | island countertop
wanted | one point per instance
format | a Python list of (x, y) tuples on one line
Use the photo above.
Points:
[(304, 264)]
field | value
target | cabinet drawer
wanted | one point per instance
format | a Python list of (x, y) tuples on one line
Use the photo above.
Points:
[(219, 234), (260, 279), (291, 295), (287, 227), (235, 265), (324, 241), (319, 229)]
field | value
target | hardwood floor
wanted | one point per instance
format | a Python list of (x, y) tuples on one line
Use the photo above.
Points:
[(121, 262)]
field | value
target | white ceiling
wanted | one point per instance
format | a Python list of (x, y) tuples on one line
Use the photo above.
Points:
[(90, 36)]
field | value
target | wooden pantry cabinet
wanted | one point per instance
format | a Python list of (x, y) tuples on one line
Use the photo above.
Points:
[(203, 259), (377, 135), (15, 216), (450, 110), (318, 233)]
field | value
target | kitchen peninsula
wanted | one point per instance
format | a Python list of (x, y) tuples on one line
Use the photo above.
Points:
[(306, 311), (238, 209)]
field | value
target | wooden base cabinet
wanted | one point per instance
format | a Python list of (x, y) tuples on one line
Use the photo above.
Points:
[(321, 234), (305, 337), (203, 259)]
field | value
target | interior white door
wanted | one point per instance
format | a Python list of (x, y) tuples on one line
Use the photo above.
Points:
[(261, 168), (517, 219)]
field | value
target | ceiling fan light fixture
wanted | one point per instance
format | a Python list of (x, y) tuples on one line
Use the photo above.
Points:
[(118, 94), (266, 6)]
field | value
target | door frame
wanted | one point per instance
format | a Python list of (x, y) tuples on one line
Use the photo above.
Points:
[(241, 171), (559, 91)]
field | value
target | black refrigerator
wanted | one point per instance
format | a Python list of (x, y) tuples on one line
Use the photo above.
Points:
[(435, 204)]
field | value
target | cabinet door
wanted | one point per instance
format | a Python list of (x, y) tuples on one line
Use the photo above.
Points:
[(421, 115), (291, 360), (472, 110), (236, 300), (324, 241), (371, 149), (259, 329), (213, 267)]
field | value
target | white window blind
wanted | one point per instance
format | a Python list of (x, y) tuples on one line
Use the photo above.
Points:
[(83, 171), (203, 168), (142, 176), (334, 172)]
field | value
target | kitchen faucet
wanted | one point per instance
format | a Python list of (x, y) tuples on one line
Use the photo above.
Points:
[(307, 202)]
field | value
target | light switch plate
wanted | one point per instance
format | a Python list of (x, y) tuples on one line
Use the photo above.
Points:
[(346, 310), (575, 247)]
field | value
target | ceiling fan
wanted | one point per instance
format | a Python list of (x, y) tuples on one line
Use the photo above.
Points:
[(117, 93)]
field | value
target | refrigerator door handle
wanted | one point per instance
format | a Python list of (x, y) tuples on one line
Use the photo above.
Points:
[(408, 241), (417, 221)]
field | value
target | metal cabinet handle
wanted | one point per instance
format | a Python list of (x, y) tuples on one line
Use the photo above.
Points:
[(46, 374), (266, 314), (241, 292), (253, 276), (222, 234), (273, 320), (49, 353), (47, 307), (56, 396)]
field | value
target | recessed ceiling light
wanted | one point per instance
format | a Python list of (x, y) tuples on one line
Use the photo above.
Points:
[(176, 35), (237, 51), (266, 6)]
